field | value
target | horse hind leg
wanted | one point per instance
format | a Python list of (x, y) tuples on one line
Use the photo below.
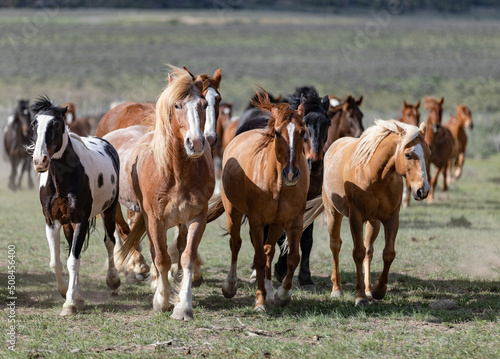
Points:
[(334, 223), (108, 216), (372, 230), (184, 308), (459, 165)]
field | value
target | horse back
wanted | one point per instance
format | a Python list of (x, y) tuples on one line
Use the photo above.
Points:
[(125, 115)]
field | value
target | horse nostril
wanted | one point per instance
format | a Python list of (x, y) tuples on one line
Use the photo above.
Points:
[(296, 172), (188, 142), (421, 193)]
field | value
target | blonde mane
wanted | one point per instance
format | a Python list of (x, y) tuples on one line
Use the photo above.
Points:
[(374, 135), (181, 87)]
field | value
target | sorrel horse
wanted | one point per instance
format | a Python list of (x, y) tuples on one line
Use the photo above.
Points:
[(440, 141), (168, 178), (79, 125), (16, 137), (317, 123), (411, 116), (265, 177), (457, 125), (79, 180), (363, 181), (223, 122), (346, 118)]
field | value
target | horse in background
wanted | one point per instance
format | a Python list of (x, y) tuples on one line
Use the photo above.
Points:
[(79, 180), (363, 180), (346, 118), (79, 125), (168, 178), (411, 116), (440, 141), (458, 126), (265, 177), (223, 125), (17, 136)]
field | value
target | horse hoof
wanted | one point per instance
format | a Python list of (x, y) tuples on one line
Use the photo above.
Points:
[(369, 295), (179, 314), (282, 297), (260, 308), (141, 277), (229, 290), (378, 295), (337, 294), (253, 277), (197, 282), (308, 287), (68, 311), (113, 283), (361, 302)]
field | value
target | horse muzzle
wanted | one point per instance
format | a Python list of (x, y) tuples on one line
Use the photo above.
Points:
[(41, 163), (195, 147), (290, 176), (421, 193)]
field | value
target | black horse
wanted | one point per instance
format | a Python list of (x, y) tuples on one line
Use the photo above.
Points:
[(17, 136), (317, 123)]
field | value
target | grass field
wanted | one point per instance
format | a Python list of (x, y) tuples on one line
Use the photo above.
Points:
[(443, 299)]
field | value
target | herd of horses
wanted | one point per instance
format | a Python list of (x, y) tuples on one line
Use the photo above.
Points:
[(183, 161)]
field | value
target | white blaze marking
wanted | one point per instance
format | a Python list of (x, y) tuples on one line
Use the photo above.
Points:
[(291, 128), (419, 151), (40, 145), (334, 102), (210, 111), (194, 119)]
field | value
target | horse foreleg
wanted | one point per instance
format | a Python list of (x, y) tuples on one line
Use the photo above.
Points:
[(391, 227), (233, 221), (157, 235), (433, 183), (334, 223), (293, 232), (108, 216), (27, 166), (274, 233), (445, 172), (358, 254), (459, 165), (74, 295), (53, 237), (372, 230), (259, 261), (184, 308)]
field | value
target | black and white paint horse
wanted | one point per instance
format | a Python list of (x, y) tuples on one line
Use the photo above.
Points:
[(17, 136), (79, 180)]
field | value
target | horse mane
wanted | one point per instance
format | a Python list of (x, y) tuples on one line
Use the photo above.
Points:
[(42, 103), (312, 101), (181, 86), (280, 113), (373, 136)]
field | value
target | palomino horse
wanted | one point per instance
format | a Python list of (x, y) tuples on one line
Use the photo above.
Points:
[(134, 113), (440, 141), (457, 126), (411, 116), (168, 178), (17, 136), (346, 119), (363, 181), (79, 180), (265, 177), (79, 125)]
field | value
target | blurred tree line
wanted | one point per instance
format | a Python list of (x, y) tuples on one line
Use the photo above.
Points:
[(403, 6)]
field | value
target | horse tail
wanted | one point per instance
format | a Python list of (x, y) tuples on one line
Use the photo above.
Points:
[(314, 208), (133, 239), (215, 208)]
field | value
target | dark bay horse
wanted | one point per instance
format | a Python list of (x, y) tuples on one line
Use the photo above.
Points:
[(79, 180), (363, 181), (167, 179), (411, 116), (346, 118), (17, 136), (265, 177), (457, 125), (440, 141)]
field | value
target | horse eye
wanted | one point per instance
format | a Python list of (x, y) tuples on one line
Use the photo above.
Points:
[(408, 155), (178, 105)]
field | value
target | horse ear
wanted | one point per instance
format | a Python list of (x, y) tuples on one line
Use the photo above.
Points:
[(441, 101), (423, 127), (217, 77), (417, 105), (359, 101), (189, 72), (325, 103), (198, 82), (405, 104), (301, 110), (63, 110), (400, 129), (170, 79)]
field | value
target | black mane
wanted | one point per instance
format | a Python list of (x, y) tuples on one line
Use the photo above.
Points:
[(43, 103), (309, 98)]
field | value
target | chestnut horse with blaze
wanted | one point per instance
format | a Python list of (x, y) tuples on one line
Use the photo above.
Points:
[(363, 180), (168, 178), (265, 177)]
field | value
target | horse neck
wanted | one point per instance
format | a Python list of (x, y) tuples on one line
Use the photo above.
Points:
[(273, 167), (66, 161)]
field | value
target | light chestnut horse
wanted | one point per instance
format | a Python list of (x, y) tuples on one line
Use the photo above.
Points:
[(440, 141), (168, 178), (346, 118), (411, 116), (265, 177), (457, 125), (135, 113), (363, 180)]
